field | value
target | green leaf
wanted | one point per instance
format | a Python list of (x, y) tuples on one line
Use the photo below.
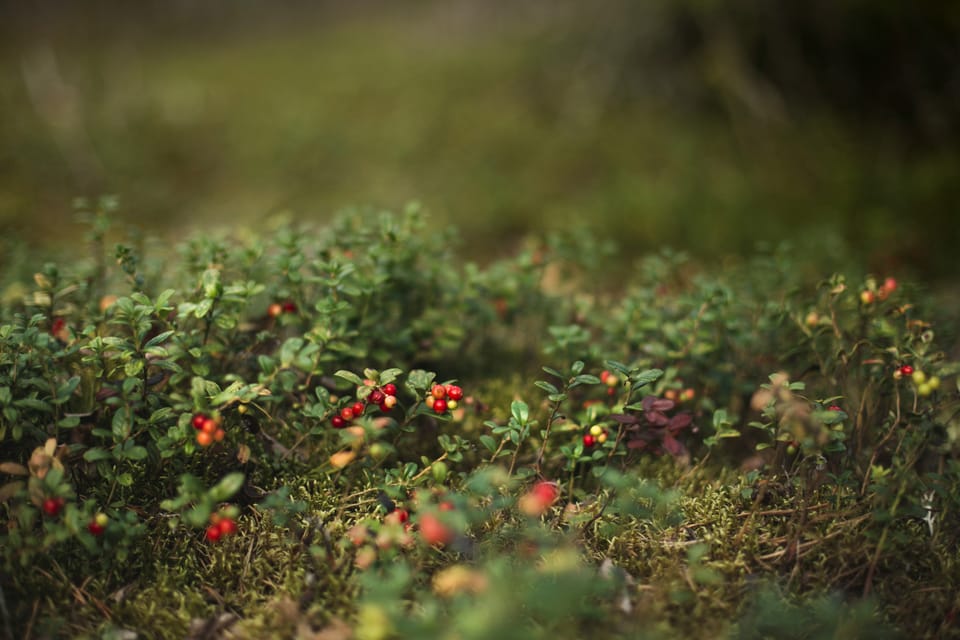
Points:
[(125, 480), (133, 368), (577, 367), (92, 455), (546, 386), (646, 377), (228, 486), (203, 308), (66, 390), (120, 424), (520, 411), (553, 372), (585, 379), (389, 375), (349, 376), (618, 367), (135, 453), (159, 339)]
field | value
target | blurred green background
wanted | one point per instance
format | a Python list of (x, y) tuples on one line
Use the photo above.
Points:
[(696, 124)]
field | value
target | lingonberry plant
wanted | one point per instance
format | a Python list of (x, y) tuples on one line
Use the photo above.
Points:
[(325, 431)]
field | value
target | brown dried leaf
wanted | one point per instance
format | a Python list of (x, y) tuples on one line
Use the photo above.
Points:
[(13, 469), (10, 489)]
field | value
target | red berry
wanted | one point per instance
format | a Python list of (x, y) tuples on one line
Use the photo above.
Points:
[(209, 425), (52, 506), (604, 375), (274, 310), (347, 413), (289, 307), (376, 397), (438, 391), (906, 370), (589, 440), (454, 392), (198, 420), (834, 407), (213, 532), (546, 492), (397, 516), (338, 422), (358, 408), (433, 531), (390, 389), (227, 527), (440, 405), (95, 528), (204, 438), (890, 285), (867, 297)]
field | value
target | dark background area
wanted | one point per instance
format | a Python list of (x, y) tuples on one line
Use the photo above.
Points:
[(700, 125)]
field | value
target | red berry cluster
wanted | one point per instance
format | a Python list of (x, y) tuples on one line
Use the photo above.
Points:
[(611, 380), (384, 397), (873, 293), (444, 397), (598, 435), (220, 526), (53, 506), (684, 395), (208, 429), (279, 308)]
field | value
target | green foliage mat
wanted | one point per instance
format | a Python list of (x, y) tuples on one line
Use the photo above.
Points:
[(349, 432)]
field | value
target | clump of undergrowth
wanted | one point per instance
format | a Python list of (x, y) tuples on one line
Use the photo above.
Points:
[(297, 433)]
